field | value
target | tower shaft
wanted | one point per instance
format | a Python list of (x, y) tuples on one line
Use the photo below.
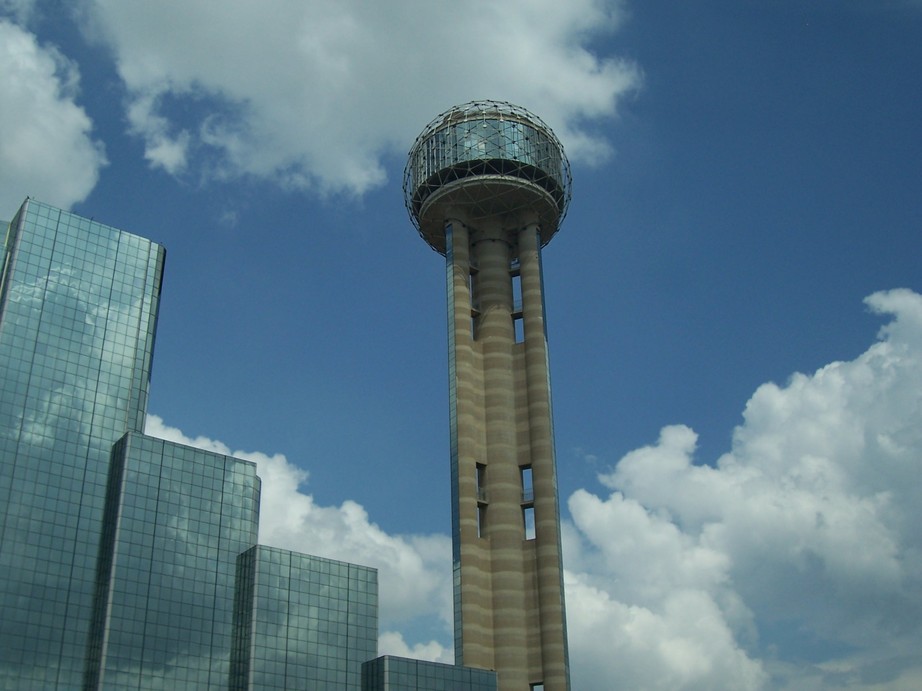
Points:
[(509, 606)]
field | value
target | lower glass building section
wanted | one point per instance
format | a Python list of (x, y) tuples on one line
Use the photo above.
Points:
[(302, 622), (389, 673), (176, 519)]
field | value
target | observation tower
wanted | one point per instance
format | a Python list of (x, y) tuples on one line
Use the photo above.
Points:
[(487, 186)]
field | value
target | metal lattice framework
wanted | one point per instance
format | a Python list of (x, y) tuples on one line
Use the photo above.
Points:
[(486, 159)]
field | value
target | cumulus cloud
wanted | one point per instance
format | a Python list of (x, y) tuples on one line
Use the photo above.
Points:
[(315, 94), (392, 643), (164, 149), (791, 562), (414, 571), (46, 143), (682, 641)]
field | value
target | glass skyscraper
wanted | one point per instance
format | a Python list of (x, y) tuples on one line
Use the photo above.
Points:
[(175, 520), (78, 307), (129, 562)]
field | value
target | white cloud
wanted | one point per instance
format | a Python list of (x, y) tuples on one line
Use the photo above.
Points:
[(414, 571), (315, 94), (164, 149), (797, 553), (392, 643), (683, 642), (46, 147)]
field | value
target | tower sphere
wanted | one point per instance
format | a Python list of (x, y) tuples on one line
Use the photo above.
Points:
[(486, 159)]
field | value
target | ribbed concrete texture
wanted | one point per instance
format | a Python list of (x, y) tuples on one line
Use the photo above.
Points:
[(511, 583)]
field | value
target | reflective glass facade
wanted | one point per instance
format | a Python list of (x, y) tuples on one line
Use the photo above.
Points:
[(303, 622), (486, 157), (514, 145), (390, 673), (487, 138), (176, 520), (78, 306)]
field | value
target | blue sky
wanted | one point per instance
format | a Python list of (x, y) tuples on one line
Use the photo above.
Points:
[(737, 437)]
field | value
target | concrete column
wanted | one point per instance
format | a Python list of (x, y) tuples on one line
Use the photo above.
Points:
[(547, 527), (496, 337), (473, 603)]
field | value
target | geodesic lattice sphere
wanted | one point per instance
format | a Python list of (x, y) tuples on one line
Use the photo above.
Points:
[(486, 159)]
